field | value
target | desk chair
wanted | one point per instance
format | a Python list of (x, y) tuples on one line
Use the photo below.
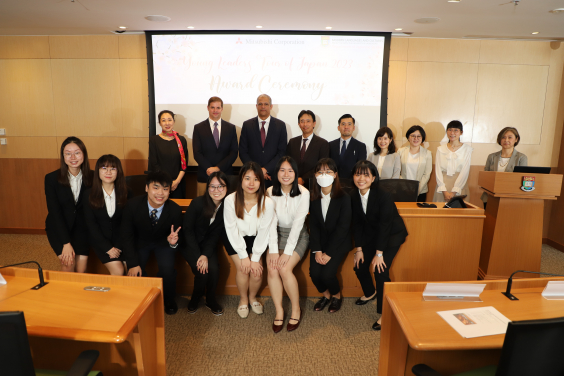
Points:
[(136, 184), (402, 190), (530, 348), (15, 355)]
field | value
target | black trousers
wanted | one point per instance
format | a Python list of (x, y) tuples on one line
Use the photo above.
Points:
[(203, 283), (422, 197), (165, 260), (364, 276), (324, 277)]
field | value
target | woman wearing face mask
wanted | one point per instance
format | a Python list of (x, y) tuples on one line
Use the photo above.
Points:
[(452, 165), (330, 240), (416, 161), (203, 226), (378, 232), (384, 156), (168, 152), (248, 215), (292, 206), (507, 158), (103, 212), (65, 188)]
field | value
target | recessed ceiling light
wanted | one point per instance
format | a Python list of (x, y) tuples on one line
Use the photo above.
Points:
[(557, 10), (328, 27), (259, 27), (123, 27), (398, 29), (535, 32), (190, 27), (427, 20), (157, 18), (454, 1)]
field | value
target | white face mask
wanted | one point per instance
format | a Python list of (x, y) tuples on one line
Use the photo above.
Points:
[(325, 180)]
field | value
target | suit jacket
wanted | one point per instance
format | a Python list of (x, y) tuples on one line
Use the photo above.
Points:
[(137, 231), (332, 235), (64, 214), (392, 165), (517, 159), (208, 155), (382, 226), (201, 237), (250, 144), (356, 151), (423, 170), (318, 148)]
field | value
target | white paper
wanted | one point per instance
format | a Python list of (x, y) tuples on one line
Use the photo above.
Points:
[(476, 322), (2, 280), (454, 291), (554, 290)]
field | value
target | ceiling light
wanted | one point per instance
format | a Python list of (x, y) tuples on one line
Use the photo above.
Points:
[(557, 10), (123, 27), (427, 20), (398, 29), (328, 27), (157, 18), (535, 32), (454, 1), (190, 27), (259, 27)]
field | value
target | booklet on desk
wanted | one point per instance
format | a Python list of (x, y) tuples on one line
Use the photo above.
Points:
[(476, 322), (554, 290), (2, 280), (460, 292)]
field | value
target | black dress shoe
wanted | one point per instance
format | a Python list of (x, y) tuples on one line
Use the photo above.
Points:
[(276, 328), (215, 308), (321, 304), (171, 308), (359, 301), (335, 304), (192, 306), (376, 326)]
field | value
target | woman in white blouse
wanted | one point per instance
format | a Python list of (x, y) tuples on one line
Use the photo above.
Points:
[(384, 157), (452, 165), (416, 161), (248, 215), (292, 206)]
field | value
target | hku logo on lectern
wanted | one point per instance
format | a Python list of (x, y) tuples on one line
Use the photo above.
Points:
[(528, 183)]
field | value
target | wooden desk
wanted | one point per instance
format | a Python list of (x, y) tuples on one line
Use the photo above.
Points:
[(413, 332), (126, 324)]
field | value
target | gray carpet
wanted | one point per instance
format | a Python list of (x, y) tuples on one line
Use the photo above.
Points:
[(342, 343)]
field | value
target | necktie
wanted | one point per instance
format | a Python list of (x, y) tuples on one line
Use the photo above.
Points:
[(343, 149), (262, 134), (216, 134), (302, 152), (154, 218)]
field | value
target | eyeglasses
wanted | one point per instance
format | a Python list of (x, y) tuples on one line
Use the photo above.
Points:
[(76, 154), (218, 188), (328, 172), (415, 136), (111, 169)]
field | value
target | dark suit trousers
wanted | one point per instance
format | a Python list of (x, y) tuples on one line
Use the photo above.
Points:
[(165, 260), (204, 283), (324, 277)]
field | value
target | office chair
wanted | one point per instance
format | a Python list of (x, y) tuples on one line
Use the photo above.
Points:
[(530, 348), (15, 355), (402, 190), (136, 184)]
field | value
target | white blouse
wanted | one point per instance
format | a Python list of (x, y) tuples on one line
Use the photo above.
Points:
[(412, 165), (75, 184), (110, 200), (364, 200), (450, 162), (502, 165), (236, 228), (291, 213), (325, 201)]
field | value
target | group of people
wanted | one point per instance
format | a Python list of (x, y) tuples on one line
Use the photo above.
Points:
[(265, 209)]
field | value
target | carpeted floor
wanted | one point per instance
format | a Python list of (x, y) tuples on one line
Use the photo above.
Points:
[(342, 343)]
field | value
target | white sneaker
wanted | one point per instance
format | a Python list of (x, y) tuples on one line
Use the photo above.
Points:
[(257, 308), (243, 311)]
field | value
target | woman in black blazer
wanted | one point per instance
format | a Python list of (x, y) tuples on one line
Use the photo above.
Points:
[(378, 232), (203, 227), (65, 194), (103, 211), (330, 238)]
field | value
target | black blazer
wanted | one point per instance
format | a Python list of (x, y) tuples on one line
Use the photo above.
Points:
[(137, 231), (208, 155), (63, 213), (201, 237), (382, 226), (317, 149), (250, 145), (356, 151), (332, 236)]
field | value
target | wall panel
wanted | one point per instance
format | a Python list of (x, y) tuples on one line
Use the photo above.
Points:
[(84, 46), (444, 50), (132, 47), (396, 97), (29, 147), (136, 148), (515, 52), (24, 47), (134, 97), (398, 49)]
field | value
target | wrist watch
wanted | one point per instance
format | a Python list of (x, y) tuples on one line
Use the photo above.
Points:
[(379, 255), (173, 246)]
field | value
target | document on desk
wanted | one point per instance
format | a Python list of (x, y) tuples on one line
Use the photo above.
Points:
[(476, 322)]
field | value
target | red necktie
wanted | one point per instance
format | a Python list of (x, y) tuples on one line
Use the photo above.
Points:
[(263, 134), (302, 152)]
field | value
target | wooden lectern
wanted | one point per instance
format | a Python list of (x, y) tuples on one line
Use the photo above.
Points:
[(512, 236)]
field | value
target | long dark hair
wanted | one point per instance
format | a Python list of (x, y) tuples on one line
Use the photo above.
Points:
[(363, 167), (97, 192), (209, 206), (277, 186), (85, 167), (336, 190), (381, 132), (240, 196)]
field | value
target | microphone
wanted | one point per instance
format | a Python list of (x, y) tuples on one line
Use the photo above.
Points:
[(510, 282), (41, 280)]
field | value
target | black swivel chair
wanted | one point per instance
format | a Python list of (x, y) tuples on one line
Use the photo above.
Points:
[(402, 190), (136, 184), (15, 355), (530, 348)]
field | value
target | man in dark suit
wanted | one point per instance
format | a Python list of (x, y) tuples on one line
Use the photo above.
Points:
[(263, 138), (308, 148), (347, 150), (151, 223), (214, 143)]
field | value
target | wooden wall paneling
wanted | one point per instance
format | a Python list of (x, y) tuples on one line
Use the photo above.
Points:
[(30, 147), (553, 120), (515, 52), (134, 97), (98, 146), (132, 47), (437, 93), (84, 46), (134, 166), (396, 97), (24, 47), (87, 97), (26, 98), (524, 87), (398, 48), (136, 147), (444, 50)]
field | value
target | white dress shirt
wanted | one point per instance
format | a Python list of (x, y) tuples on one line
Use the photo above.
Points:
[(307, 142), (325, 201), (291, 213), (364, 200), (449, 162), (251, 225), (266, 124), (110, 200), (75, 184), (218, 126), (214, 213), (412, 165)]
